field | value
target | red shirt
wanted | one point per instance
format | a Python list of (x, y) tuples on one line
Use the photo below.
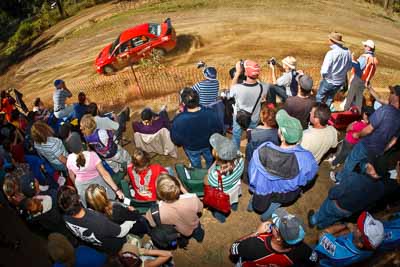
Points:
[(144, 182)]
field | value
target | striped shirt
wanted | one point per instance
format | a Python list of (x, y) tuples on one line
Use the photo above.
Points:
[(51, 150), (228, 181), (207, 90), (59, 98)]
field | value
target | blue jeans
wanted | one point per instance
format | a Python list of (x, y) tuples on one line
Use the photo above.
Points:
[(237, 130), (358, 154), (326, 92), (328, 214), (221, 217), (267, 214), (195, 157)]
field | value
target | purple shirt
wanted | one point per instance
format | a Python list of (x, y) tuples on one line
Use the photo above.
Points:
[(154, 127)]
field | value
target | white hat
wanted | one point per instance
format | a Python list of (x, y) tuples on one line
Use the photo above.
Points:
[(369, 43), (371, 229), (290, 62)]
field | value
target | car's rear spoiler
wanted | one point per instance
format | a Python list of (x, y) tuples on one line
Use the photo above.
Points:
[(169, 26)]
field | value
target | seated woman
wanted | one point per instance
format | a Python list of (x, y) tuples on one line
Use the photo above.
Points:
[(151, 122), (268, 131), (180, 210), (103, 142), (85, 168), (143, 176), (96, 198), (49, 146), (229, 164)]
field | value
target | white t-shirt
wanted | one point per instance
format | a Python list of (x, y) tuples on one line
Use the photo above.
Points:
[(285, 80), (246, 96), (105, 123), (319, 141)]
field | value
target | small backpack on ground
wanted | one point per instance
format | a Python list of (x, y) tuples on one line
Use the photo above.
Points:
[(165, 236)]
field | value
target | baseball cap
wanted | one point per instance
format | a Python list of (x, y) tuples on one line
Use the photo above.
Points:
[(290, 127), (305, 82), (210, 73), (371, 230), (147, 114), (58, 82), (251, 69), (224, 146), (28, 185), (369, 43), (290, 227), (395, 89), (74, 143)]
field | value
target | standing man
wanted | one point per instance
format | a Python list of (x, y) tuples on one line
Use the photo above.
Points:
[(60, 95), (208, 88), (300, 106), (363, 70), (246, 95), (337, 63), (320, 137), (192, 129)]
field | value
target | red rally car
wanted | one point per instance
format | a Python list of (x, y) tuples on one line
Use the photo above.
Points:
[(136, 43)]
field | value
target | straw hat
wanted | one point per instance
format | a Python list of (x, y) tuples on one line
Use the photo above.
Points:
[(336, 37), (290, 62)]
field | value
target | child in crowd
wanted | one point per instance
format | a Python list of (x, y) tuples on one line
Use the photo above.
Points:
[(96, 198), (104, 143), (349, 141), (143, 176), (228, 164)]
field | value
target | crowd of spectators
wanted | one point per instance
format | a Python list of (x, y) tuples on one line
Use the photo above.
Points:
[(67, 173)]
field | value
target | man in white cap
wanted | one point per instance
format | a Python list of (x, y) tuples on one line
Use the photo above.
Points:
[(286, 84), (337, 63), (363, 70), (346, 244)]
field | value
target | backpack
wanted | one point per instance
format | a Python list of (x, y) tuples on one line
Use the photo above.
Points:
[(165, 236), (294, 84)]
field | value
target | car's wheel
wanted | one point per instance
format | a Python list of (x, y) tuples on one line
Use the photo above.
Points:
[(158, 52), (108, 69)]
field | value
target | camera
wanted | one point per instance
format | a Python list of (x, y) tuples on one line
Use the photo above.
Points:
[(201, 64), (271, 61)]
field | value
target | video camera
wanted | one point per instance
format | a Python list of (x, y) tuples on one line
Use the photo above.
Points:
[(271, 61), (201, 64), (242, 76)]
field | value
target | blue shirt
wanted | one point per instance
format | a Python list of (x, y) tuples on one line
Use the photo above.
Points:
[(192, 130), (386, 124), (337, 63), (361, 63), (339, 251), (207, 90), (352, 191), (86, 257)]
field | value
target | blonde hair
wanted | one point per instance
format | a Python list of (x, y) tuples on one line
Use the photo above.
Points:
[(168, 187), (40, 131), (96, 197), (88, 124)]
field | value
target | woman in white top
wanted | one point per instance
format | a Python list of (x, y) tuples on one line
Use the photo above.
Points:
[(85, 168)]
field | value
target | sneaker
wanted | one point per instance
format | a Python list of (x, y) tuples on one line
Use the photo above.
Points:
[(310, 215), (332, 176), (330, 159)]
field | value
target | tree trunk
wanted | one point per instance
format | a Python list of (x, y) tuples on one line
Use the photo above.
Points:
[(386, 4), (60, 8)]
